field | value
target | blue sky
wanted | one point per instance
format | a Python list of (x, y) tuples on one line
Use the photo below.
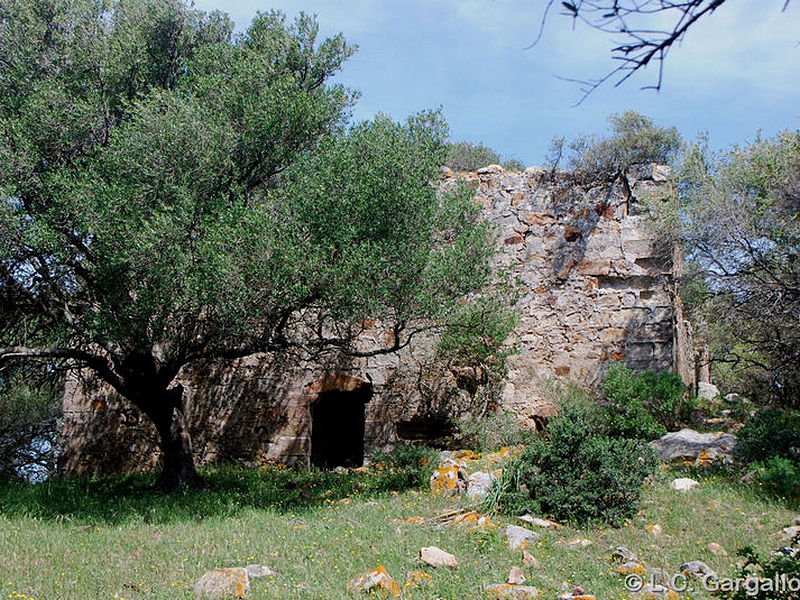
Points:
[(736, 73)]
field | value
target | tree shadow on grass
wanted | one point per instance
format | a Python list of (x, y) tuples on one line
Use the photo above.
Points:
[(116, 500)]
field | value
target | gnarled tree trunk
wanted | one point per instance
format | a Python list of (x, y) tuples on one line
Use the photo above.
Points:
[(166, 411)]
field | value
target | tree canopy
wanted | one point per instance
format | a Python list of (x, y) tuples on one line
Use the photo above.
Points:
[(172, 192), (740, 222)]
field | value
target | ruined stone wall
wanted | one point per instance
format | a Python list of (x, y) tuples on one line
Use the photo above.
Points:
[(591, 288)]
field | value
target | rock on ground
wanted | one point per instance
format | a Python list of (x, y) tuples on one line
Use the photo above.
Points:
[(515, 576), (223, 583), (519, 537), (707, 391), (688, 444), (698, 569), (505, 591), (256, 571), (436, 557), (683, 484), (478, 485), (376, 580), (716, 549)]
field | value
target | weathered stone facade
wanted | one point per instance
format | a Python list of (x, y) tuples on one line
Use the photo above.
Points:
[(591, 288)]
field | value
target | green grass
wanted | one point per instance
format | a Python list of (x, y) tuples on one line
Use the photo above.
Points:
[(114, 539)]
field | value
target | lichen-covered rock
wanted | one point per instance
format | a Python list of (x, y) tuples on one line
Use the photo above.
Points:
[(519, 537), (655, 529), (622, 554), (683, 484), (506, 591), (377, 580), (436, 557), (529, 560), (688, 444), (449, 479), (650, 591), (223, 583)]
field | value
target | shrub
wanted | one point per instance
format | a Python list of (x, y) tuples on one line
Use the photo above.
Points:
[(634, 139), (771, 432), (779, 476), (513, 164), (757, 573), (642, 405), (575, 474), (405, 466), (493, 431), (465, 156)]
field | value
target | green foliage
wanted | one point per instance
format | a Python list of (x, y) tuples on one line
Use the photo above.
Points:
[(772, 432), (758, 575), (466, 156), (405, 466), (642, 405), (30, 403), (182, 194), (779, 476), (740, 227), (491, 432), (573, 473), (634, 139), (514, 165)]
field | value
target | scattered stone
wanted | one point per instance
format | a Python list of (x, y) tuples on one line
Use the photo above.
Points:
[(478, 485), (707, 391), (791, 532), (698, 569), (622, 554), (716, 549), (223, 583), (545, 523), (506, 591), (436, 557), (516, 576), (683, 484), (796, 521), (529, 560), (578, 543), (787, 551), (631, 568), (414, 520), (378, 580), (655, 529), (416, 579), (577, 593), (450, 479), (748, 477), (256, 571), (687, 444), (489, 169), (519, 537)]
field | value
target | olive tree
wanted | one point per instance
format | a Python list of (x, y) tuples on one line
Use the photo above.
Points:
[(173, 193)]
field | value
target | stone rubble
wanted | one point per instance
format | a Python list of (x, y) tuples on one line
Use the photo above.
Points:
[(436, 557), (519, 537), (683, 484), (223, 583)]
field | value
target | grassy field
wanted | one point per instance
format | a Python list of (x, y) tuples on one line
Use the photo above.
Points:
[(114, 539)]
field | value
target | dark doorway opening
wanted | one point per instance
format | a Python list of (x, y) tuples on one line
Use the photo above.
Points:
[(337, 428)]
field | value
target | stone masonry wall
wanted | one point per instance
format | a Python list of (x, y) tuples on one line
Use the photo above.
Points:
[(591, 289)]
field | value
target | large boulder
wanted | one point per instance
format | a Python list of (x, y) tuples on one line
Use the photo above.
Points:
[(688, 444)]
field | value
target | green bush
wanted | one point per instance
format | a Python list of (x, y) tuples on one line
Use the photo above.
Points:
[(756, 573), (405, 466), (771, 432), (634, 139), (642, 405), (779, 476), (513, 164), (466, 156), (492, 432), (573, 473)]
